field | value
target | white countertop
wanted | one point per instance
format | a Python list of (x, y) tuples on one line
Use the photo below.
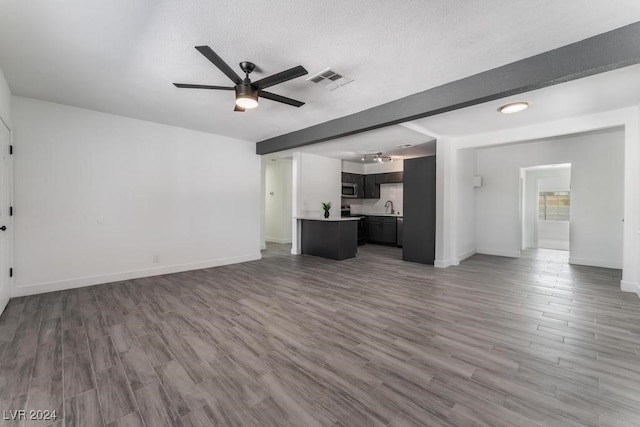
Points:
[(378, 214), (330, 219)]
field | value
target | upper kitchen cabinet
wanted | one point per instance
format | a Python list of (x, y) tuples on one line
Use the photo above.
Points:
[(350, 177), (389, 178), (371, 187)]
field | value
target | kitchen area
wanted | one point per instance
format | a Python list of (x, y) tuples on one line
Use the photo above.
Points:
[(348, 198), (377, 200)]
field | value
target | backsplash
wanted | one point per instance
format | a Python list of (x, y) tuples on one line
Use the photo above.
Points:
[(393, 192)]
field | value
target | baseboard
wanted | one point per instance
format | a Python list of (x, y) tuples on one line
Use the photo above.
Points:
[(277, 240), (562, 245), (595, 262), (627, 286), (498, 252), (442, 263), (41, 288), (465, 255), (263, 246), (296, 251)]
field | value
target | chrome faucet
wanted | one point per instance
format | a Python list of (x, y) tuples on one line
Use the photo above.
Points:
[(386, 205)]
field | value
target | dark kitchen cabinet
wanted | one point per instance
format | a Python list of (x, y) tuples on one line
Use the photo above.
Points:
[(360, 182), (382, 230), (371, 187), (389, 178), (350, 177), (419, 234), (395, 177)]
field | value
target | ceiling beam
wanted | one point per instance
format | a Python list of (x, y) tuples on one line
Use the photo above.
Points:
[(604, 52)]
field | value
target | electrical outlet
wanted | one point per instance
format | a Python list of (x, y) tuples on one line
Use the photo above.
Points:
[(156, 259)]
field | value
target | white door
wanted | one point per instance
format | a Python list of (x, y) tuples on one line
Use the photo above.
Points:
[(6, 231)]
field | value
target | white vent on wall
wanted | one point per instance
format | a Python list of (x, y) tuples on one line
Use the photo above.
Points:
[(330, 79)]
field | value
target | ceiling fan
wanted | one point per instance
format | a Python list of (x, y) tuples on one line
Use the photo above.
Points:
[(247, 92)]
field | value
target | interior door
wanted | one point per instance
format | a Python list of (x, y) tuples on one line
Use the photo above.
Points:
[(6, 232)]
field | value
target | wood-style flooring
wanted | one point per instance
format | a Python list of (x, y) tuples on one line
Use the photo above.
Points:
[(304, 341)]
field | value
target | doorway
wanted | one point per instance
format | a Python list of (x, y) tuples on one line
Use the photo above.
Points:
[(546, 207), (6, 229), (278, 203)]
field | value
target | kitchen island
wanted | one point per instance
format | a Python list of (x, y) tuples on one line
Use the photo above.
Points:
[(333, 238)]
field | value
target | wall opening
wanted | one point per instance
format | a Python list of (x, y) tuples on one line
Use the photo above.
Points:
[(278, 202), (546, 206)]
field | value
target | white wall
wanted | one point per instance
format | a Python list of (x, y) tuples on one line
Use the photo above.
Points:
[(597, 195), (5, 100), (352, 167), (465, 205), (370, 168), (395, 166), (98, 195), (278, 202), (316, 179), (320, 180)]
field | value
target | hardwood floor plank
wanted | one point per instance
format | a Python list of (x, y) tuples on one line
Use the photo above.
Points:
[(114, 394), (155, 350), (95, 326), (155, 406), (103, 353), (48, 358), (131, 420), (138, 368), (74, 341), (14, 376), (78, 374), (16, 404), (180, 387), (45, 394), (50, 330), (83, 410)]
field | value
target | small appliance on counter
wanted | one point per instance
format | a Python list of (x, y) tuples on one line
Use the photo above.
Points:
[(345, 210)]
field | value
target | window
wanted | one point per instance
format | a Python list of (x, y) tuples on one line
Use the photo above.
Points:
[(553, 205)]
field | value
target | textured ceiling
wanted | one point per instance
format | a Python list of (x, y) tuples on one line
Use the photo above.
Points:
[(121, 56)]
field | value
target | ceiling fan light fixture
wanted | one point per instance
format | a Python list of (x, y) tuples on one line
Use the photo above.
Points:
[(246, 96), (513, 107)]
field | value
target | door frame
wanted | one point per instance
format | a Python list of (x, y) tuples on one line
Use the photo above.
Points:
[(10, 235)]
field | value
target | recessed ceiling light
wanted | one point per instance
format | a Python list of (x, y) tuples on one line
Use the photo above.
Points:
[(404, 145), (513, 107)]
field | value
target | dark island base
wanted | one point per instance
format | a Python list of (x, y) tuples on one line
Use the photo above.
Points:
[(330, 239)]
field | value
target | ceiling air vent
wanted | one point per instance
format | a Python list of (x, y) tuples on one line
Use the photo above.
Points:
[(330, 79)]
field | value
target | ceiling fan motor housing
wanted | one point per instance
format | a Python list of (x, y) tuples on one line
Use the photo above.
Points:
[(244, 90), (246, 95)]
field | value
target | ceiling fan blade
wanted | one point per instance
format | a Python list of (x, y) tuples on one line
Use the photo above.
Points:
[(239, 109), (219, 62), (190, 86), (281, 77), (280, 98)]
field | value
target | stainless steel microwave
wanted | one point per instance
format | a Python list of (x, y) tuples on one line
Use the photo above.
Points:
[(349, 190)]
